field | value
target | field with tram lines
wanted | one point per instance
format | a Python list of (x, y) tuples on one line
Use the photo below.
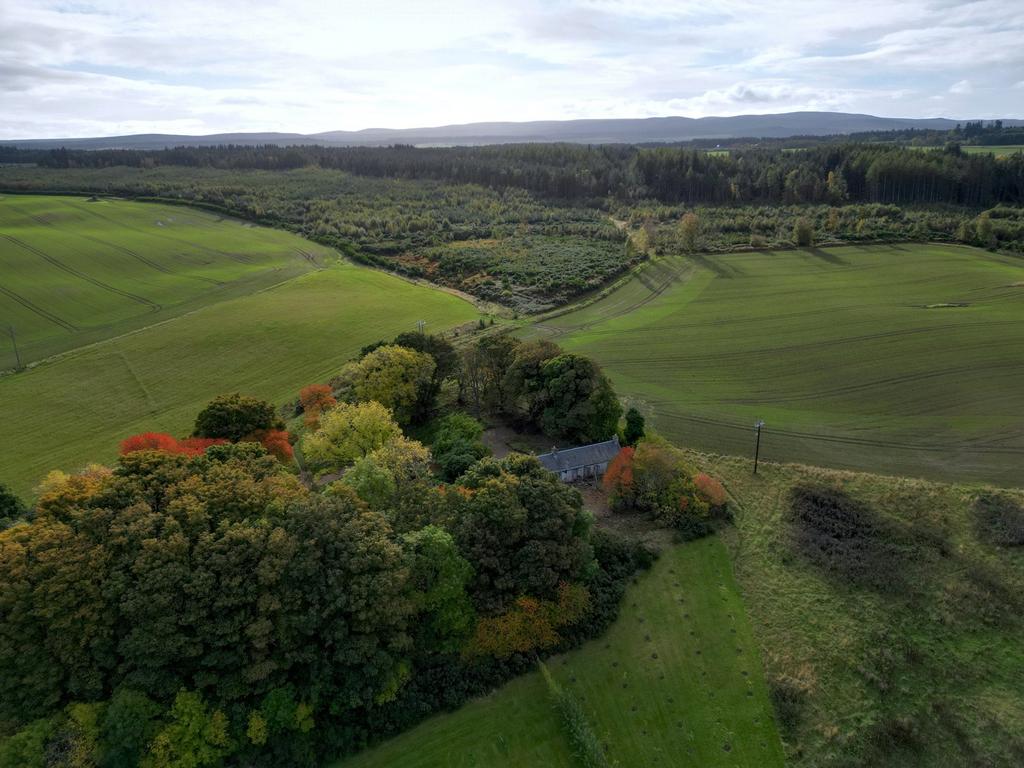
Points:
[(74, 271), (897, 357)]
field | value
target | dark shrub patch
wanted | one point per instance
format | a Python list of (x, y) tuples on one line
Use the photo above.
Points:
[(999, 519), (788, 702), (844, 537)]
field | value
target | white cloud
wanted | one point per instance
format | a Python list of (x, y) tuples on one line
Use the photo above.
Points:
[(118, 66)]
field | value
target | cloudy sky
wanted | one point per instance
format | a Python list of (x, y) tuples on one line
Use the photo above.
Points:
[(105, 67)]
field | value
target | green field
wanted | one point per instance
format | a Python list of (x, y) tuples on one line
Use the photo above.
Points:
[(77, 408), (677, 681), (75, 271), (997, 150), (924, 674), (902, 359)]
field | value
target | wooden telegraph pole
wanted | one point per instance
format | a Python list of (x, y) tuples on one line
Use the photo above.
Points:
[(757, 444)]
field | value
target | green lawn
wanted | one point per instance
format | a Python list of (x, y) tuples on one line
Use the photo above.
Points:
[(77, 408), (74, 272), (902, 359), (924, 675), (677, 681)]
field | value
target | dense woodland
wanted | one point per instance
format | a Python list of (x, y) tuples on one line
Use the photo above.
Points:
[(835, 173)]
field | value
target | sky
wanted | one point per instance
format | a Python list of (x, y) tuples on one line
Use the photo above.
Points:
[(110, 67)]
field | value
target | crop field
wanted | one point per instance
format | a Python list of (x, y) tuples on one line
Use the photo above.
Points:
[(677, 681), (78, 408), (899, 645), (902, 359), (75, 271)]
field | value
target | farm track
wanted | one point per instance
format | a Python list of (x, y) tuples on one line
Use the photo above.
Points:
[(81, 275)]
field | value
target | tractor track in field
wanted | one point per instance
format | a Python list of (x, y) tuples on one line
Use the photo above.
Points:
[(655, 290), (890, 381), (148, 262), (45, 314), (192, 244), (81, 275), (849, 439), (805, 346)]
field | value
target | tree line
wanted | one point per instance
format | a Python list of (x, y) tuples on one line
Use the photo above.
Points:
[(833, 173)]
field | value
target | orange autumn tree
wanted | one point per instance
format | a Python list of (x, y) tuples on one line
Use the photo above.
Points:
[(315, 399), (710, 489), (618, 479)]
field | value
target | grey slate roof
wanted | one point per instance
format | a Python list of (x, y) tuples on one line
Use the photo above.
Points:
[(585, 455)]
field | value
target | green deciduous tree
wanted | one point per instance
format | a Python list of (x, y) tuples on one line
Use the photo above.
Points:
[(803, 232), (634, 430), (457, 444), (235, 416), (347, 433), (521, 529), (196, 736), (391, 375), (12, 509), (439, 577), (689, 230), (128, 725), (580, 404)]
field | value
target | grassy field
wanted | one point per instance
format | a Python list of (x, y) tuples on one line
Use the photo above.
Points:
[(998, 151), (902, 359), (924, 671), (74, 271), (677, 681), (76, 409)]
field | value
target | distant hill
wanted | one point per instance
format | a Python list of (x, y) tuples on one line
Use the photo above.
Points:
[(627, 131)]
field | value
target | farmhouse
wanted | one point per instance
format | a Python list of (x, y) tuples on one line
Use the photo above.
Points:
[(582, 462)]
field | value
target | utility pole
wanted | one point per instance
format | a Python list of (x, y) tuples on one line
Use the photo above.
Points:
[(14, 343), (757, 445)]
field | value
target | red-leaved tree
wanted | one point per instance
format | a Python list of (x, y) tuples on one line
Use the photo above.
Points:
[(275, 441), (161, 441), (194, 446), (150, 441)]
